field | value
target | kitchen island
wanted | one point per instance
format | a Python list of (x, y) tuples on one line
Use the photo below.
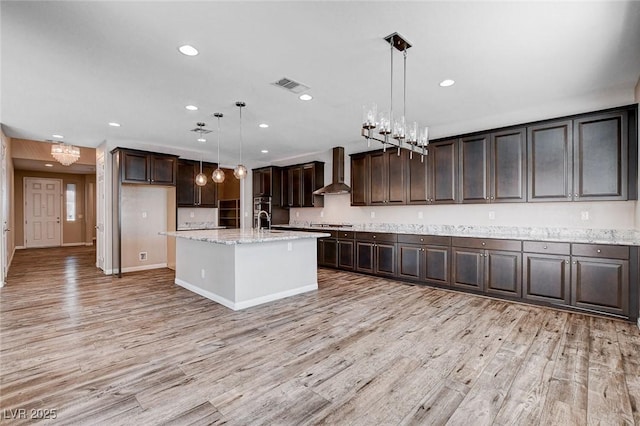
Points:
[(242, 268)]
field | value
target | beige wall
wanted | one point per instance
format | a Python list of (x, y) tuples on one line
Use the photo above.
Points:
[(72, 232), (145, 212), (11, 221), (602, 215), (36, 150)]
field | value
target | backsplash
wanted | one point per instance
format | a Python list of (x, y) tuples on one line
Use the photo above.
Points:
[(188, 216)]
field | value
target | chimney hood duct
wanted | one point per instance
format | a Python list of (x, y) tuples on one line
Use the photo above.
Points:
[(337, 185)]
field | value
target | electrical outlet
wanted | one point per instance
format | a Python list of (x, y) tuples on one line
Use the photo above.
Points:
[(192, 214), (492, 215), (297, 214), (584, 215), (373, 215), (142, 256), (289, 246), (202, 273), (322, 213), (420, 215), (144, 215)]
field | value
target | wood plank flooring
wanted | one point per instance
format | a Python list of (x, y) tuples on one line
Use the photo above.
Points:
[(361, 350)]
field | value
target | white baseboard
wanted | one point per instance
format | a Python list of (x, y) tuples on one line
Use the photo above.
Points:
[(89, 244), (144, 267), (20, 247), (236, 306), (72, 244)]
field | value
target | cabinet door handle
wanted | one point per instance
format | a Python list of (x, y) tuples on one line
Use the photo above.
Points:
[(545, 247), (574, 262), (599, 251), (493, 198), (484, 244), (566, 261)]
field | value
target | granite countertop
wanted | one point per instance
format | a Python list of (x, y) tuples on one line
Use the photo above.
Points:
[(627, 237), (198, 225), (243, 236)]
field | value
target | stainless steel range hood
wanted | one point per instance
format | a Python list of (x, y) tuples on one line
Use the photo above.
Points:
[(337, 185)]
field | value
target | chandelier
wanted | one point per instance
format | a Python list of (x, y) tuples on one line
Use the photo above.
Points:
[(394, 130), (65, 154)]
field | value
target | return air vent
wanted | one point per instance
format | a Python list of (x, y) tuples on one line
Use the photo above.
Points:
[(291, 85)]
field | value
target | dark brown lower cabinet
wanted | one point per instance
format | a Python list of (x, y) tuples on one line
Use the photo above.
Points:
[(468, 268), (346, 250), (424, 263), (489, 266), (547, 277), (376, 253), (600, 284), (328, 252)]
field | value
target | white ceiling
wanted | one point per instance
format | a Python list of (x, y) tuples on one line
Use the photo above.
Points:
[(72, 67)]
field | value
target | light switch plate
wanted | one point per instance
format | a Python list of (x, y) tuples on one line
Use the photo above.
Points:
[(144, 215), (584, 215), (492, 215)]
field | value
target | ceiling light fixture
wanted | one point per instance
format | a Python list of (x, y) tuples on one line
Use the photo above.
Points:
[(48, 165), (218, 173), (447, 83), (64, 153), (188, 50), (263, 125), (305, 97), (201, 140), (201, 130), (57, 136), (265, 151), (240, 172), (401, 131), (201, 178), (191, 107), (114, 124)]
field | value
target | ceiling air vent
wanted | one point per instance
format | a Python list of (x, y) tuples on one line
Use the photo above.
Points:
[(290, 85)]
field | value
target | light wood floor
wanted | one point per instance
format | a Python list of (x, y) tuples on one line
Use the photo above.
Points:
[(360, 350)]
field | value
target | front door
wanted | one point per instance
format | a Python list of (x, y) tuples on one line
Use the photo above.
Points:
[(43, 205)]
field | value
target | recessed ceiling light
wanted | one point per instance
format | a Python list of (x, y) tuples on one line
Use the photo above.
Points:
[(188, 50), (202, 140), (305, 97), (114, 124), (447, 83), (191, 107), (263, 125), (265, 151), (48, 165), (58, 136)]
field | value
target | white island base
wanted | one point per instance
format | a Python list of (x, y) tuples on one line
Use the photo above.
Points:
[(239, 276)]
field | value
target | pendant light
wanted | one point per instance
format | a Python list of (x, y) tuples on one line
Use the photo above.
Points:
[(240, 172), (218, 174), (201, 178)]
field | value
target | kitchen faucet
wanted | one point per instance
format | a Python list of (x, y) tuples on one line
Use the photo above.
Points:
[(267, 216)]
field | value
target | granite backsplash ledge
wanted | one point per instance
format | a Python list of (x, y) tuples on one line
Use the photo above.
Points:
[(579, 235)]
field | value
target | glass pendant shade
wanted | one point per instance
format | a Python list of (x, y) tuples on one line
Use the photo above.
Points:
[(369, 116), (201, 179), (385, 123), (412, 133), (399, 128), (240, 172), (218, 175), (423, 140)]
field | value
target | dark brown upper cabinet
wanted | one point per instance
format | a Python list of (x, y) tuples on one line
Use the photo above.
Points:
[(550, 155), (443, 161), (147, 167), (302, 180), (508, 166), (417, 181), (474, 169), (600, 159), (359, 179), (188, 194), (267, 182), (387, 177)]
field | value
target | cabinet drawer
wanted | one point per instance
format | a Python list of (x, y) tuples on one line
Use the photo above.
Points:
[(545, 247), (424, 239), (386, 237), (345, 235), (600, 250), (487, 243)]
